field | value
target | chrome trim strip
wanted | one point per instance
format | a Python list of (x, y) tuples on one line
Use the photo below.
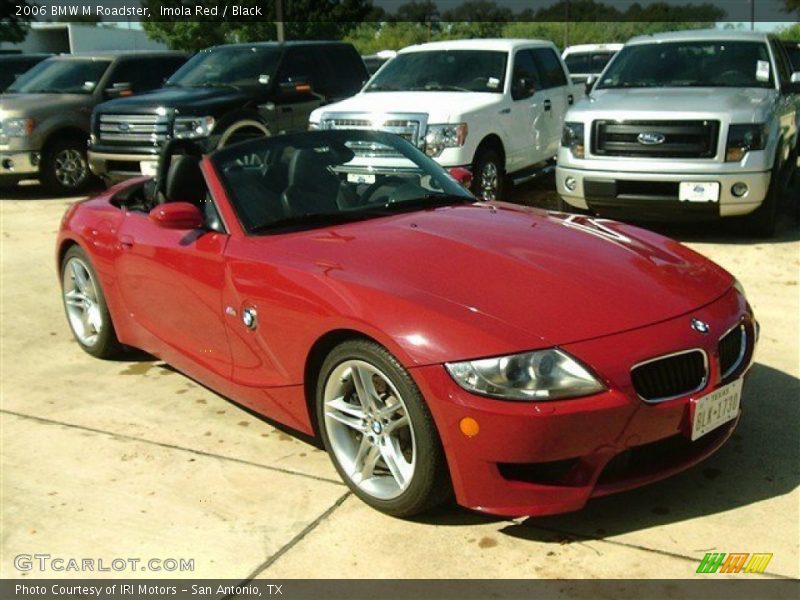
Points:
[(702, 385), (742, 349)]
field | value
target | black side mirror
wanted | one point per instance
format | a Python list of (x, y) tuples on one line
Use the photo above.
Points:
[(590, 81), (119, 90), (295, 86)]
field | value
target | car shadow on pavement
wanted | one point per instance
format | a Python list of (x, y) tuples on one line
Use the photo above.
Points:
[(760, 461), (32, 190)]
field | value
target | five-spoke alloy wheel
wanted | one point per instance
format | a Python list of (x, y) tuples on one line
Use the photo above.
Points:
[(85, 306)]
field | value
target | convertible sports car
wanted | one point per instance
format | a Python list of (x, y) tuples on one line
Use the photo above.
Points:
[(522, 359)]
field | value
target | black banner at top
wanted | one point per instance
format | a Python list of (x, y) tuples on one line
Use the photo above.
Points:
[(351, 11)]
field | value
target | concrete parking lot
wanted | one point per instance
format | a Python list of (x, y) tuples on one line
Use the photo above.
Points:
[(131, 459)]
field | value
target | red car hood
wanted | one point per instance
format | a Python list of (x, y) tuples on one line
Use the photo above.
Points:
[(557, 277)]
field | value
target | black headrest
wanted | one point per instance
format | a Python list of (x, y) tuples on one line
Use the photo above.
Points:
[(185, 181), (172, 147)]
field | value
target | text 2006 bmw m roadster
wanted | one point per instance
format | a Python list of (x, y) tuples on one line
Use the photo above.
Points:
[(525, 360)]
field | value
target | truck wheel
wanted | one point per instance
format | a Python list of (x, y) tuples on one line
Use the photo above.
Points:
[(489, 175), (764, 219), (65, 169)]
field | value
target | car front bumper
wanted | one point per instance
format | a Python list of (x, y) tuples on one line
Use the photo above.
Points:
[(538, 458), (654, 195), (14, 164)]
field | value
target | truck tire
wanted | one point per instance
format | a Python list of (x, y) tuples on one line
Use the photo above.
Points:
[(65, 168), (763, 220), (489, 176)]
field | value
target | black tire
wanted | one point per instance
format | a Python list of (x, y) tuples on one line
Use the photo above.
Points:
[(106, 344), (488, 158), (65, 168), (763, 221), (429, 485)]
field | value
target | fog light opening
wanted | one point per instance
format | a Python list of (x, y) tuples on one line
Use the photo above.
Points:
[(8, 165), (469, 426), (739, 189), (570, 183)]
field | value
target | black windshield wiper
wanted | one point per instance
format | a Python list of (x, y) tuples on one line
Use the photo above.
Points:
[(216, 84), (437, 87)]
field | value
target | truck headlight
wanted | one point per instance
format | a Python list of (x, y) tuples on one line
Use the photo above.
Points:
[(743, 138), (313, 126), (541, 375), (192, 127), (439, 137), (17, 127), (572, 138)]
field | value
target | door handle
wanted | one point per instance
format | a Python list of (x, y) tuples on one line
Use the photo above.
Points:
[(126, 241), (547, 105), (504, 111), (570, 99)]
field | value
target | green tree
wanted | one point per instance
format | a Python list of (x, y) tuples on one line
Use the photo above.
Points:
[(791, 33), (13, 28)]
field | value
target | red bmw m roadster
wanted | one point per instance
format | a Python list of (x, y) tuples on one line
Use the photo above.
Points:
[(343, 284)]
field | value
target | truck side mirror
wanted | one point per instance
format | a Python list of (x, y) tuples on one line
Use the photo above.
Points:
[(590, 81), (294, 86), (119, 90)]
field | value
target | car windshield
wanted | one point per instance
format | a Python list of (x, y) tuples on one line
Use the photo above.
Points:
[(690, 64), (320, 178), (233, 66), (590, 63), (443, 70), (57, 76)]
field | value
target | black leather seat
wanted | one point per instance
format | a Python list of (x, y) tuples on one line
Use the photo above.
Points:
[(185, 181), (313, 188)]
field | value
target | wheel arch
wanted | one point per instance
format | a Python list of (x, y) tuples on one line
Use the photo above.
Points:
[(494, 142), (67, 132), (314, 359)]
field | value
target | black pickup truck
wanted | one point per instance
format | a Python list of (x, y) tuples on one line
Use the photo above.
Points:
[(223, 95)]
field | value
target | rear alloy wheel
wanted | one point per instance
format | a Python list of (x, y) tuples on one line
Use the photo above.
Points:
[(378, 431), (65, 169), (488, 181), (85, 306)]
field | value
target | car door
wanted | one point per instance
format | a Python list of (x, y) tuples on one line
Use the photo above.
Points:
[(526, 116), (171, 284), (556, 97)]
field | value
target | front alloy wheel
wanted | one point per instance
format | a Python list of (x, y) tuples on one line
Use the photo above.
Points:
[(378, 430)]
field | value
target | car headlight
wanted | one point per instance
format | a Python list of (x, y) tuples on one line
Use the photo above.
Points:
[(743, 138), (541, 375), (17, 127), (192, 127), (439, 137), (572, 138)]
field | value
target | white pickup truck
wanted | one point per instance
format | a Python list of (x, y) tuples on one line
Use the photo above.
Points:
[(495, 107)]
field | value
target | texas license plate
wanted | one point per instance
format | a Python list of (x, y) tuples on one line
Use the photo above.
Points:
[(716, 408), (698, 191), (148, 167)]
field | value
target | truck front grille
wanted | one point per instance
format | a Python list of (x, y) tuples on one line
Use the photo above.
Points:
[(410, 127), (134, 129), (670, 376), (667, 139)]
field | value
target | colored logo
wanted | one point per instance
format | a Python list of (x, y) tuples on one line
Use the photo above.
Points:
[(742, 562), (651, 138), (700, 326)]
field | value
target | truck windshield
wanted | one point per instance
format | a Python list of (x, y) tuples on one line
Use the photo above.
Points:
[(443, 70), (72, 76), (233, 66), (588, 62), (690, 64)]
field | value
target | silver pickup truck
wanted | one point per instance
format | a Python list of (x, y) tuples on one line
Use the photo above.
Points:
[(685, 125)]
